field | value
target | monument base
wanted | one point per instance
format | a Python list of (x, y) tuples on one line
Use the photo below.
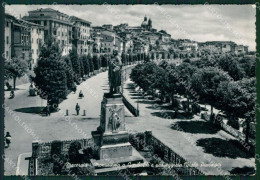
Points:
[(115, 150), (108, 165)]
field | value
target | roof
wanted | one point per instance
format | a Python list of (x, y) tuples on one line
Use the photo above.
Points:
[(22, 21), (46, 10), (74, 18), (106, 38)]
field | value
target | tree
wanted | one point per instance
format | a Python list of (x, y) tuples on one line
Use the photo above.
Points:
[(238, 100), (104, 61), (157, 42), (82, 71), (249, 66), (123, 58), (85, 62), (96, 62), (91, 65), (75, 63), (185, 72), (143, 75), (163, 55), (50, 74), (74, 156), (152, 56), (69, 72), (15, 68), (231, 65), (205, 82), (169, 56)]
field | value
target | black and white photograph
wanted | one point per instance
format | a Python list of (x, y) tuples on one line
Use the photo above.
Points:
[(123, 90)]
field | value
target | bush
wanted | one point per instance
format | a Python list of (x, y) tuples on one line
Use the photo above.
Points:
[(74, 156), (56, 148), (233, 122)]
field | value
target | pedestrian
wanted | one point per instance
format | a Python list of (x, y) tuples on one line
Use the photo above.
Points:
[(8, 139), (11, 94), (77, 108)]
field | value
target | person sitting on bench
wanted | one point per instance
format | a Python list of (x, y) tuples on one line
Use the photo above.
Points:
[(11, 94), (81, 94)]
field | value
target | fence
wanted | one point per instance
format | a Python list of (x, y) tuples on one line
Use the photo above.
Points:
[(169, 156), (41, 150)]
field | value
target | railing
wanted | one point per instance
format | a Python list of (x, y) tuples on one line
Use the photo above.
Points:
[(130, 107), (169, 156)]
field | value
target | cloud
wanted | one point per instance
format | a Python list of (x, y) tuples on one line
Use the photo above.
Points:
[(199, 22)]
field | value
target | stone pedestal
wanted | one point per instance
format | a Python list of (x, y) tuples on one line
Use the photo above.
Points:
[(111, 136)]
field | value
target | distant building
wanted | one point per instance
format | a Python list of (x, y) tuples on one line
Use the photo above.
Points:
[(107, 44), (147, 24), (108, 26)]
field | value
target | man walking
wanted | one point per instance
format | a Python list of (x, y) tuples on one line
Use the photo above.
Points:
[(77, 108)]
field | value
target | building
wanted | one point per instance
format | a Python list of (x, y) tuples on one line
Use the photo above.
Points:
[(22, 39), (147, 24), (119, 44), (80, 34), (56, 24), (164, 36), (107, 44), (37, 38), (108, 26), (8, 35)]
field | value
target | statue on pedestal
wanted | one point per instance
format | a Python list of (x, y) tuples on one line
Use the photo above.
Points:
[(114, 73)]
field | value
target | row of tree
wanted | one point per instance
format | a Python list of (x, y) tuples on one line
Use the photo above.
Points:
[(227, 84), (56, 75)]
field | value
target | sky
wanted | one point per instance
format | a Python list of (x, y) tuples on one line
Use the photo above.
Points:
[(196, 22)]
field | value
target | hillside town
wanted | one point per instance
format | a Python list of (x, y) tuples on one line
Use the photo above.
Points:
[(23, 37)]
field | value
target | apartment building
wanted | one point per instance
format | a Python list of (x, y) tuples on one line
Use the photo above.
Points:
[(56, 24), (81, 34)]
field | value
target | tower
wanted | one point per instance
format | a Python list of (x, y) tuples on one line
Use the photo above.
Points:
[(149, 24)]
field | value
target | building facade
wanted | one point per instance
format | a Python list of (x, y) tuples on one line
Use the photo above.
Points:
[(56, 24), (80, 34)]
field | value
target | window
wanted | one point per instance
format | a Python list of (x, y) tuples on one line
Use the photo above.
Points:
[(7, 24), (32, 51), (6, 54), (41, 14), (7, 40), (37, 51), (45, 23), (32, 40)]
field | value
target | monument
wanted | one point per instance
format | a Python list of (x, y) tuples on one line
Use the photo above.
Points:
[(111, 137)]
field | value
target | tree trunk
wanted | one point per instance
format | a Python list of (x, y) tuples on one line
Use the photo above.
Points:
[(247, 130), (14, 79), (188, 103), (172, 100), (211, 109)]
